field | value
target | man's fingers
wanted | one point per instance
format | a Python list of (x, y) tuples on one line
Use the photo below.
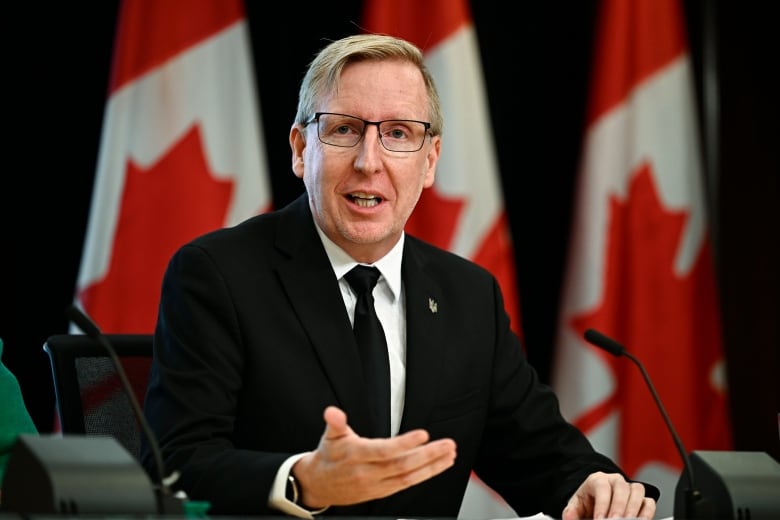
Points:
[(418, 465), (609, 496), (410, 448), (635, 503), (647, 511), (410, 471), (399, 458), (626, 500), (382, 449)]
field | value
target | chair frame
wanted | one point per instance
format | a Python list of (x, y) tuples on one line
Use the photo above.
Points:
[(65, 349)]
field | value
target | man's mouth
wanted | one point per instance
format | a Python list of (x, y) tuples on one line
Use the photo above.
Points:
[(365, 200)]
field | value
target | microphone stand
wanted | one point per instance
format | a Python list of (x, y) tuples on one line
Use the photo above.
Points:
[(696, 506), (166, 500)]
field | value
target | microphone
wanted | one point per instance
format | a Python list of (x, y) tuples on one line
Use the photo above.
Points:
[(695, 505), (90, 328)]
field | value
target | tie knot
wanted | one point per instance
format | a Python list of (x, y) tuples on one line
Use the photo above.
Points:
[(362, 278)]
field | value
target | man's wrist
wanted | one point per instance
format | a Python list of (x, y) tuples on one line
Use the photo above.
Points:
[(286, 494), (294, 495)]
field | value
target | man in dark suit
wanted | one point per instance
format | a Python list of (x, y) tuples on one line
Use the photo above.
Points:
[(257, 394)]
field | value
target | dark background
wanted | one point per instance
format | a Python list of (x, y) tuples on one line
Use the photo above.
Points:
[(536, 65)]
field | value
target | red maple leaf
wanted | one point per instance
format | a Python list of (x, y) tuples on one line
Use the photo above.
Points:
[(435, 218), (162, 207), (670, 322)]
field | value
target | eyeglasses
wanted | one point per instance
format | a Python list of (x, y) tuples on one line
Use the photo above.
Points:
[(396, 135)]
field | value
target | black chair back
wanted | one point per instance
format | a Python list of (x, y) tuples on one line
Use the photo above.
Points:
[(89, 392)]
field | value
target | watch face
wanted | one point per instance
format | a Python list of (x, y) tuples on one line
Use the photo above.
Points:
[(291, 491)]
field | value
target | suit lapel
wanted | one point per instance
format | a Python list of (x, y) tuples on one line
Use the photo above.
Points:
[(424, 322), (312, 288), (308, 279)]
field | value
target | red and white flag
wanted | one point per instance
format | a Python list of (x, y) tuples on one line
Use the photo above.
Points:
[(180, 153), (640, 266), (464, 210)]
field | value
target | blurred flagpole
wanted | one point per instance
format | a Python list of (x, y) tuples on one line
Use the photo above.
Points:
[(464, 210), (640, 266)]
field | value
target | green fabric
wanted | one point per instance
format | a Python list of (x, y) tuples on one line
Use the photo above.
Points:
[(14, 417)]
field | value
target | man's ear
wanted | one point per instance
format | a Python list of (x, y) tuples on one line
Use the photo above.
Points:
[(432, 159), (297, 146)]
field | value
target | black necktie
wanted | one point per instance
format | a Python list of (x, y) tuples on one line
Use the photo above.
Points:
[(373, 347)]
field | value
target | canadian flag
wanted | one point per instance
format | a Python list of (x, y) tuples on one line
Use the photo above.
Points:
[(180, 153), (464, 210), (640, 265)]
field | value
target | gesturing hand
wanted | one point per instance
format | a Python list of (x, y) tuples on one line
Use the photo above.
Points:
[(347, 469)]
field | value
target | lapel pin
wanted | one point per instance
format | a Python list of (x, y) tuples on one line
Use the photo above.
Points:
[(433, 306)]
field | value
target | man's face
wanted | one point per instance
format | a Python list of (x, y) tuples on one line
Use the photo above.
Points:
[(362, 196)]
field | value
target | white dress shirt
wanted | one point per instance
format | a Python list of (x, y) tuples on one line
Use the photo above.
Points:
[(390, 304)]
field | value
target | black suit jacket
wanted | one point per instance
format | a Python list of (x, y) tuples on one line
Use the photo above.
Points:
[(253, 342)]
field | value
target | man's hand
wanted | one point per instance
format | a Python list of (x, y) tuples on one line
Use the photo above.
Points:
[(608, 495), (347, 469)]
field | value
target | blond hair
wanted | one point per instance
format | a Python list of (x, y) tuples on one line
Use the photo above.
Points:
[(324, 72)]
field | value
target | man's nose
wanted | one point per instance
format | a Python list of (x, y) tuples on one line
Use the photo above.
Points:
[(369, 149)]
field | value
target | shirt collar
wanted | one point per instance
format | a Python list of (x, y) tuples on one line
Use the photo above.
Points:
[(389, 265)]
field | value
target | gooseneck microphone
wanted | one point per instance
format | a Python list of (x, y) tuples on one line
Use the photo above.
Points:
[(694, 502), (91, 329)]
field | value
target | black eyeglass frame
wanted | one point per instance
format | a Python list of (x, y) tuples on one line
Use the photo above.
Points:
[(366, 123)]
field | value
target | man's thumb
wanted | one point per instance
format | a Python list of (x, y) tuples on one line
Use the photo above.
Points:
[(335, 423)]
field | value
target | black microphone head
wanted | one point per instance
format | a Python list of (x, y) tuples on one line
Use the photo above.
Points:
[(600, 340)]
